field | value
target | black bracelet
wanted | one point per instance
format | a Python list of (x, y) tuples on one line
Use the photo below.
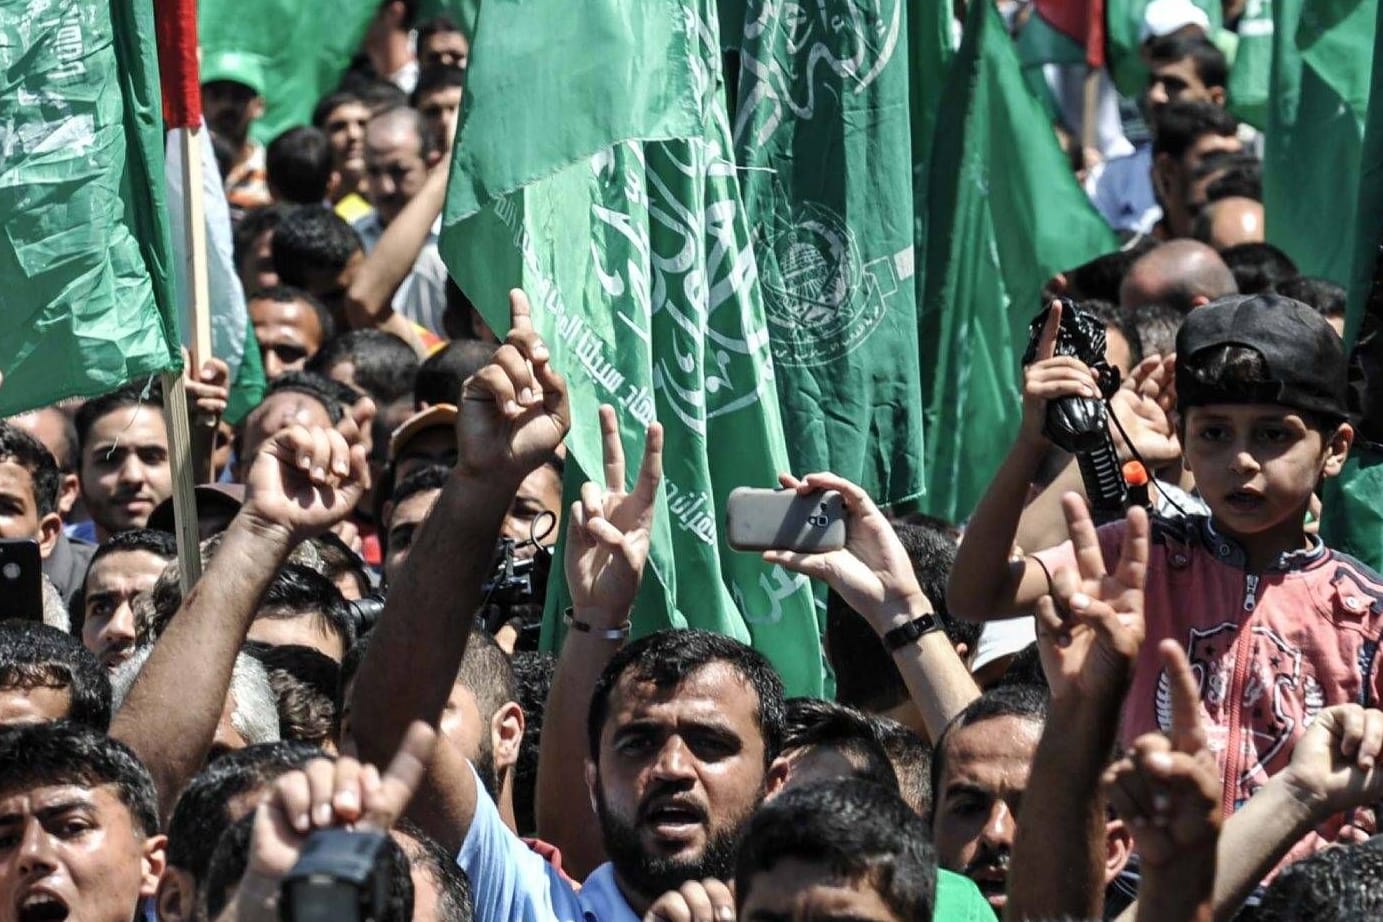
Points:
[(908, 633)]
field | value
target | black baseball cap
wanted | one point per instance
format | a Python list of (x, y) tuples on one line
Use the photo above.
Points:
[(1303, 355)]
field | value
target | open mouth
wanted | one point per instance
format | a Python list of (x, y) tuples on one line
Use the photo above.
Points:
[(1244, 501), (40, 906), (674, 819)]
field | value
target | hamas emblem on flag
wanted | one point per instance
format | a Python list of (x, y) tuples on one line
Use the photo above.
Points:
[(822, 301)]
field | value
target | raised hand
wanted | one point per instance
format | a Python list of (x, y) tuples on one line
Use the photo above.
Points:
[(872, 573), (1050, 377), (326, 794), (208, 391), (304, 481), (1090, 650), (1167, 788), (1144, 406), (1335, 765), (609, 530), (514, 411), (707, 900)]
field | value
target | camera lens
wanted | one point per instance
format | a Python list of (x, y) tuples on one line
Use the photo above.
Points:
[(11, 571)]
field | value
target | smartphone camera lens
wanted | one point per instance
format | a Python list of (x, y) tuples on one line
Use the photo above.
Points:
[(10, 570)]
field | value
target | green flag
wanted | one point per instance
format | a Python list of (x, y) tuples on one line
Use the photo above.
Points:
[(822, 134), (1322, 66), (304, 48), (1005, 215), (608, 192), (1251, 75), (86, 298)]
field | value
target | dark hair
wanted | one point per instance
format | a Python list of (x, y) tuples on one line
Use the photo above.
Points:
[(34, 655), (328, 104), (339, 560), (436, 77), (1112, 315), (203, 810), (1334, 885), (310, 238), (1322, 295), (437, 25), (487, 672), (23, 449), (385, 365), (304, 681), (376, 93), (51, 754), (287, 294), (298, 590), (442, 373), (815, 723), (1179, 124), (668, 657), (431, 477), (455, 902), (1021, 701), (533, 673), (1157, 326), (134, 394), (861, 832), (161, 544), (232, 855), (1241, 175), (912, 761), (255, 222), (1212, 68), (1258, 267), (1101, 277), (331, 394), (299, 163), (1236, 372), (866, 676)]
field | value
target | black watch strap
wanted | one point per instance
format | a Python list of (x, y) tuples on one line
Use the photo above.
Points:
[(908, 633)]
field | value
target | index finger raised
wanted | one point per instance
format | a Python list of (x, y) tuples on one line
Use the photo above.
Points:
[(1089, 557), (1188, 735), (1046, 344), (385, 802), (612, 449), (520, 310)]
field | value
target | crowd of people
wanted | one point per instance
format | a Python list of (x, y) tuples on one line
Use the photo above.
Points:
[(1168, 714)]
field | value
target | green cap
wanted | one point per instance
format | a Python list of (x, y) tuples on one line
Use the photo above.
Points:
[(241, 67)]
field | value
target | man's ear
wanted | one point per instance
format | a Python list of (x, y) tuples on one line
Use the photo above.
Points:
[(592, 779), (49, 528), (155, 862), (1337, 450), (1218, 96), (177, 896), (1118, 848), (777, 776), (1162, 169), (1199, 301), (506, 734), (434, 158), (256, 107), (69, 488)]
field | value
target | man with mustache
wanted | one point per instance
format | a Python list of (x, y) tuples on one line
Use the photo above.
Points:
[(683, 728)]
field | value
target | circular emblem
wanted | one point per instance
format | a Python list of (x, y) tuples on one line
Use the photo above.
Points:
[(816, 293)]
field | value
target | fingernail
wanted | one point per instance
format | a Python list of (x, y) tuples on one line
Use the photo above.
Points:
[(526, 395), (305, 462), (341, 467), (302, 822), (511, 407), (725, 914), (319, 473), (1080, 600), (347, 800), (540, 351), (322, 814), (1162, 762)]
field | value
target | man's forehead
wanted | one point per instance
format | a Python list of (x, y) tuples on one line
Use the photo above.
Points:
[(40, 796), (132, 425), (118, 567), (715, 688), (996, 752), (15, 477)]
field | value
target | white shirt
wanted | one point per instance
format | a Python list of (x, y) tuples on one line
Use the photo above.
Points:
[(1121, 190), (422, 298)]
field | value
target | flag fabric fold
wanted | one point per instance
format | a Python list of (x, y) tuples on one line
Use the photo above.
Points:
[(87, 302), (626, 228), (999, 225)]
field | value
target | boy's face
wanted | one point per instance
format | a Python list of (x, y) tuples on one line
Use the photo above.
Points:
[(802, 890), (1256, 465)]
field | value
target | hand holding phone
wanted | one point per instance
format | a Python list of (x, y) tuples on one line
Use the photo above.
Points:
[(764, 520)]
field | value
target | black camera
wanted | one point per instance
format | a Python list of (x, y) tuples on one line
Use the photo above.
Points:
[(516, 590), (1080, 424), (341, 876)]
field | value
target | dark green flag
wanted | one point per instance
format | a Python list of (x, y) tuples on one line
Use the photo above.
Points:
[(86, 295), (1321, 73), (823, 136), (1005, 214)]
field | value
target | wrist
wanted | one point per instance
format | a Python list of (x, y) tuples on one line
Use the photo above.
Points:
[(1305, 803), (895, 613), (596, 624), (266, 531)]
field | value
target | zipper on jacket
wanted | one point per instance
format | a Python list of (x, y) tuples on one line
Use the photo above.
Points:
[(1250, 591), (1235, 758)]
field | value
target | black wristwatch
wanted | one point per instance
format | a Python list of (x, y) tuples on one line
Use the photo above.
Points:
[(908, 633)]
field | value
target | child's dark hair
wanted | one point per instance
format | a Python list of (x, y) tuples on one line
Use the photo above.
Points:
[(1237, 373)]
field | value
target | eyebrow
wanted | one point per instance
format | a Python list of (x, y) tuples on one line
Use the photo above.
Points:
[(49, 812)]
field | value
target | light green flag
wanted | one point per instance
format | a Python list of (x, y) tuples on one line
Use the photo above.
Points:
[(86, 298), (303, 48), (1251, 75), (1322, 67), (822, 134), (609, 193), (1005, 214)]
